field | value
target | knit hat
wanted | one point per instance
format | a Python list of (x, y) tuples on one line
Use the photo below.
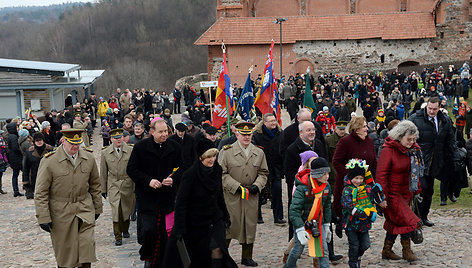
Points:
[(356, 167), (204, 145), (319, 167), (45, 124), (23, 133), (325, 108), (181, 127), (38, 136), (211, 130), (306, 155)]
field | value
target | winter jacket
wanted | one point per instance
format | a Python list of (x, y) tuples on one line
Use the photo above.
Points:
[(393, 174), (269, 145), (354, 218), (102, 108), (31, 163), (434, 145), (189, 153), (302, 201), (14, 155)]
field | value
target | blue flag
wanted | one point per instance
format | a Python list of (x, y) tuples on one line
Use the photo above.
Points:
[(247, 99)]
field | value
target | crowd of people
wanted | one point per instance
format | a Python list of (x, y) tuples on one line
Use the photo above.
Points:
[(192, 185)]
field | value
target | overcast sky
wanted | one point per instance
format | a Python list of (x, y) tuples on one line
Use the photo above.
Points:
[(16, 3)]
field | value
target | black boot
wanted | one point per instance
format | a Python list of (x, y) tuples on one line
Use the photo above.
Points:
[(147, 264)]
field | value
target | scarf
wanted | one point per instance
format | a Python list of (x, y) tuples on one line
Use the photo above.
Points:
[(270, 133), (361, 200), (41, 149), (416, 167), (381, 118), (315, 245)]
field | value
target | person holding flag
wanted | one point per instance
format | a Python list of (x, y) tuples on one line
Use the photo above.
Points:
[(244, 176), (224, 103)]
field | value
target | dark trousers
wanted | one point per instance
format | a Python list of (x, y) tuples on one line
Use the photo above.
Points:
[(177, 104), (289, 194), (152, 236), (276, 191), (14, 180), (121, 226), (359, 242), (427, 191)]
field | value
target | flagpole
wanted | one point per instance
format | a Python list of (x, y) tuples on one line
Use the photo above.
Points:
[(226, 96), (240, 97), (211, 105)]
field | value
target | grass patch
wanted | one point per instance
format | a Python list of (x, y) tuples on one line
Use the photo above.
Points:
[(464, 201)]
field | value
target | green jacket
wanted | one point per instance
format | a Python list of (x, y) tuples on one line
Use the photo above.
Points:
[(302, 202)]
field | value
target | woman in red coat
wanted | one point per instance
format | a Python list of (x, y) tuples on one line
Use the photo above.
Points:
[(357, 144), (398, 172)]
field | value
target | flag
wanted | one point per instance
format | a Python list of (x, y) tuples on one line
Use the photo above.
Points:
[(263, 98), (308, 101), (275, 106), (246, 102), (224, 90)]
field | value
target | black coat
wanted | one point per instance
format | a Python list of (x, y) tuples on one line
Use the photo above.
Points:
[(200, 214), (189, 153), (31, 163), (150, 160), (343, 114), (292, 159), (434, 145), (14, 155), (269, 146)]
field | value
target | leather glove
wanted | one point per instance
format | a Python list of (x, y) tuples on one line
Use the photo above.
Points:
[(96, 216), (302, 236), (253, 189), (238, 191), (104, 195), (329, 234), (46, 226)]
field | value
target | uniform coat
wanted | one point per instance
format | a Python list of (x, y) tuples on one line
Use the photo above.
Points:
[(84, 126), (393, 174), (241, 170), (115, 182), (351, 146), (69, 196)]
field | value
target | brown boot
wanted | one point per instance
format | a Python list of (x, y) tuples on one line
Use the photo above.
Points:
[(387, 252), (315, 263), (407, 253)]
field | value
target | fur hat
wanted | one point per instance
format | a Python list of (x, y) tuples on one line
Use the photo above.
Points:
[(204, 145), (38, 136), (319, 167)]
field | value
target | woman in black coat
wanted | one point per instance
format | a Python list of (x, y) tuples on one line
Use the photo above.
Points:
[(200, 214), (14, 155), (31, 163)]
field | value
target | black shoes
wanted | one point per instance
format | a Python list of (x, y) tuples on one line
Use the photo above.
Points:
[(335, 257), (453, 198), (280, 222), (428, 223), (443, 202), (2, 192), (18, 194), (260, 221), (133, 217), (249, 262), (118, 242), (126, 235)]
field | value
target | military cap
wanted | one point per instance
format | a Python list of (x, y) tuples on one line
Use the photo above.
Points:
[(73, 135), (211, 130), (245, 128), (77, 114), (341, 124), (116, 133)]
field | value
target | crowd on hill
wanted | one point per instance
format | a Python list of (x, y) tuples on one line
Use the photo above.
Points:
[(331, 151)]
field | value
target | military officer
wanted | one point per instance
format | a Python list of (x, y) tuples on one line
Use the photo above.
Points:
[(116, 184), (79, 124), (244, 175), (68, 201), (331, 142)]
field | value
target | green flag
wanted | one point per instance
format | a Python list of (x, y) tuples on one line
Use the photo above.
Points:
[(308, 101)]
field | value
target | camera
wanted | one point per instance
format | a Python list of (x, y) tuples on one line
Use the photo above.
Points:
[(313, 227)]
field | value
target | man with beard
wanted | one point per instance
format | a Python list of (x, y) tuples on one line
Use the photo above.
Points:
[(155, 167)]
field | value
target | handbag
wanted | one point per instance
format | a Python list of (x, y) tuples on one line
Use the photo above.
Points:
[(417, 234)]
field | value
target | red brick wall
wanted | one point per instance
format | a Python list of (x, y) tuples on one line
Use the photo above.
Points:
[(377, 6), (327, 7), (272, 8), (420, 5)]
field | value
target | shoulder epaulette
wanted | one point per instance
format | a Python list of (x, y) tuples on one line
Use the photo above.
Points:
[(226, 147), (88, 149), (49, 154), (260, 147), (104, 147), (131, 144)]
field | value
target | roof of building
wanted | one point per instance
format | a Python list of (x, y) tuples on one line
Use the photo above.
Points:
[(387, 26), (37, 67)]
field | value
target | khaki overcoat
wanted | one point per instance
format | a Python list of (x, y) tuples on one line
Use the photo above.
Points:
[(83, 125), (241, 170), (69, 196), (115, 182)]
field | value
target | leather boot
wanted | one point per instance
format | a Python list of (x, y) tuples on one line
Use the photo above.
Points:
[(387, 252), (406, 251), (315, 263)]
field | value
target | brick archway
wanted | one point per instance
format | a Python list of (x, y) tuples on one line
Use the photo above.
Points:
[(302, 64)]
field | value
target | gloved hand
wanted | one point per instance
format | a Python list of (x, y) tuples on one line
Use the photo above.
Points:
[(104, 195), (238, 191), (303, 236), (329, 234), (372, 216), (253, 189), (96, 216), (46, 226)]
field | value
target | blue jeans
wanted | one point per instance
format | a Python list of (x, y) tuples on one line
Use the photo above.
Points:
[(297, 251), (358, 243), (14, 180), (450, 101)]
